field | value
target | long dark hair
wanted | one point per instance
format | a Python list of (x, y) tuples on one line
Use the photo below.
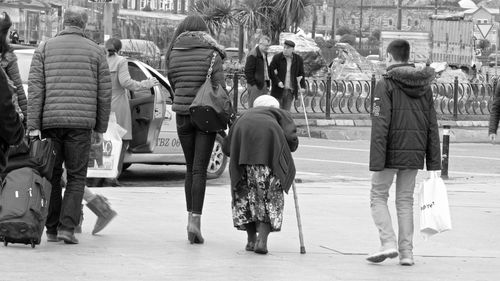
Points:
[(113, 45), (5, 24), (190, 23)]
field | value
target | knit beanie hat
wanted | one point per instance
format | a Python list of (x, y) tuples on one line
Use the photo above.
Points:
[(266, 100)]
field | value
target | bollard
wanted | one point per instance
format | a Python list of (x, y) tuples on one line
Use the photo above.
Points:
[(235, 92), (445, 156), (328, 95), (455, 99), (372, 93)]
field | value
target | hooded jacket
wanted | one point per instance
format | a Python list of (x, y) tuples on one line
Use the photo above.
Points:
[(188, 64), (404, 125)]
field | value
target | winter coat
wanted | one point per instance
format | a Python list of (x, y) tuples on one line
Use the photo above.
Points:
[(188, 64), (11, 127), (495, 112), (277, 71), (121, 81), (9, 64), (69, 84), (254, 68), (265, 136), (404, 125)]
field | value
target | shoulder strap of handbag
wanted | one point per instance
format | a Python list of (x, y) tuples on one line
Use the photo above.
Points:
[(209, 74)]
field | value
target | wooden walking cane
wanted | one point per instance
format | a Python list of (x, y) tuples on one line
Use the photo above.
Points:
[(303, 106), (299, 222)]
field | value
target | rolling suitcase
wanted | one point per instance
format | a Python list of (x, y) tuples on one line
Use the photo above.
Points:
[(24, 205)]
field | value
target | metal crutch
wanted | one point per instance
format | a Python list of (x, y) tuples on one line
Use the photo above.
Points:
[(303, 106), (299, 222)]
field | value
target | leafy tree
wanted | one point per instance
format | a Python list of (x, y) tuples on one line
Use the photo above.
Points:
[(343, 30), (348, 38), (483, 44)]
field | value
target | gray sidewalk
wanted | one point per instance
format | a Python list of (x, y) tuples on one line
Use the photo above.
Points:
[(148, 241)]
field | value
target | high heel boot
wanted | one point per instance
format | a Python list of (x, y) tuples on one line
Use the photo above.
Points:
[(194, 230), (190, 215)]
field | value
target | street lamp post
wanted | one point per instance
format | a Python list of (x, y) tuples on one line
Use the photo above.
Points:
[(360, 23)]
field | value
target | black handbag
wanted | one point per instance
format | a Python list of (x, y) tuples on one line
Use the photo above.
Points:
[(211, 110), (41, 156)]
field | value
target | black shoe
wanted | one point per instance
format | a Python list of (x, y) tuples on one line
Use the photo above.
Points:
[(67, 236), (52, 237)]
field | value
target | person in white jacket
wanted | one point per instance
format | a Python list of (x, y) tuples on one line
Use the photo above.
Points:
[(120, 106)]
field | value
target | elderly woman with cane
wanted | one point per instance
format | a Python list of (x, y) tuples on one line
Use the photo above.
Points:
[(261, 167)]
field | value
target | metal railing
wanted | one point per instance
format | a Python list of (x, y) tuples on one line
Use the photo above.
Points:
[(327, 96)]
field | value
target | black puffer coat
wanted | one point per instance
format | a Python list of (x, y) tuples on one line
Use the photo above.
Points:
[(188, 64), (495, 112), (404, 125)]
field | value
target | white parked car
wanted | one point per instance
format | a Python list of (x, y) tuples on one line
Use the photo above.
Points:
[(154, 133)]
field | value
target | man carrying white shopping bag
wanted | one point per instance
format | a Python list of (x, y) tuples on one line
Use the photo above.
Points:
[(404, 135), (434, 207)]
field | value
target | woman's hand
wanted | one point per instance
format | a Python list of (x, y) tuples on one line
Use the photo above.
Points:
[(151, 82)]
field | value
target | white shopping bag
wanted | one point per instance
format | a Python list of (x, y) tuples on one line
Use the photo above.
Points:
[(103, 159), (434, 208)]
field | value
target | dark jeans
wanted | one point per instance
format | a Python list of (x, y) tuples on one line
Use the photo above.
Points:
[(286, 100), (197, 147), (72, 147)]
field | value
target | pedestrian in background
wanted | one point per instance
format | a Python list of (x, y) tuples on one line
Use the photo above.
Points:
[(261, 167), (494, 115), (11, 127), (120, 100), (257, 71), (404, 135), (188, 61), (285, 68), (8, 61), (70, 96)]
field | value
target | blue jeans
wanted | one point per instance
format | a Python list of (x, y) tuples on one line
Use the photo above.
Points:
[(197, 147), (405, 185), (72, 148)]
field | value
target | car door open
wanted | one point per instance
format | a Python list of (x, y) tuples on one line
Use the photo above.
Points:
[(148, 110)]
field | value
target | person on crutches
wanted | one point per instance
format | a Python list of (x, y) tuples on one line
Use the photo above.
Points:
[(260, 145)]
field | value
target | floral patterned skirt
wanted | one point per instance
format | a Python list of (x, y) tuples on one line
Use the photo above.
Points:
[(258, 198)]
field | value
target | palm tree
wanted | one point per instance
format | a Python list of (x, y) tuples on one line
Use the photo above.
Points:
[(252, 15), (216, 13)]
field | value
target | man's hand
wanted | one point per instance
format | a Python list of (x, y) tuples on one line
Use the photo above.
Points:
[(35, 133), (97, 137), (281, 85), (492, 138)]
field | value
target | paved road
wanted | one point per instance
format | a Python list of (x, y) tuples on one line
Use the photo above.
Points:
[(147, 241), (320, 160)]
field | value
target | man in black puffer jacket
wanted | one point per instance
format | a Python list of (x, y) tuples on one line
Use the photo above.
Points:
[(404, 135)]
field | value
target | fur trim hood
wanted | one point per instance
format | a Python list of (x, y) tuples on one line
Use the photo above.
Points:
[(412, 80), (198, 39)]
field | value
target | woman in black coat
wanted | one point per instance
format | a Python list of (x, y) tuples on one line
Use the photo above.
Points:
[(261, 167), (188, 61)]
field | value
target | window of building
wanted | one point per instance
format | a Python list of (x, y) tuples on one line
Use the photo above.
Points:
[(324, 19), (409, 22), (390, 22), (337, 21), (353, 21), (416, 22)]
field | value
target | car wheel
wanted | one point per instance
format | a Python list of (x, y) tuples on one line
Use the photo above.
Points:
[(218, 160)]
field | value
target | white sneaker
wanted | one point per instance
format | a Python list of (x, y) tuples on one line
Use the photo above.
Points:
[(382, 255)]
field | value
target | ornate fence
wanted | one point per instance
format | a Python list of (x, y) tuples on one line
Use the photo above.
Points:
[(355, 96)]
